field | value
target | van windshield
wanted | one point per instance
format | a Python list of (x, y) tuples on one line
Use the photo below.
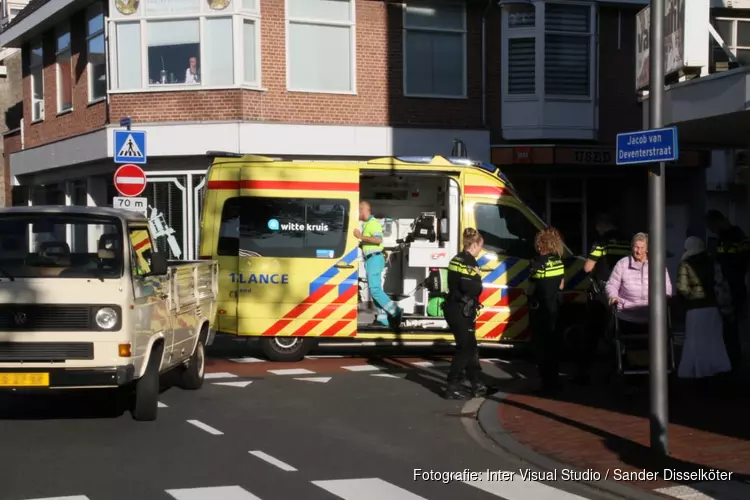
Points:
[(47, 245)]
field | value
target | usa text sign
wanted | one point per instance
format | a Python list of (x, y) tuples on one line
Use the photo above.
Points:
[(647, 146)]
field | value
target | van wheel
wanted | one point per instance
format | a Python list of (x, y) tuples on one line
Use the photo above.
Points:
[(286, 349), (146, 394), (193, 373)]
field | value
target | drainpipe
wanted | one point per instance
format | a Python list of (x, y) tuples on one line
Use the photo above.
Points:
[(484, 62)]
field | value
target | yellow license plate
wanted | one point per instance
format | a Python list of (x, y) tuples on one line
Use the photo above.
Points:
[(24, 379)]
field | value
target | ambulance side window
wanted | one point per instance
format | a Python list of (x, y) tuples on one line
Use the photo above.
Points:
[(506, 230)]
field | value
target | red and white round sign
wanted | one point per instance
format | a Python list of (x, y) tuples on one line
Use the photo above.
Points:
[(130, 180)]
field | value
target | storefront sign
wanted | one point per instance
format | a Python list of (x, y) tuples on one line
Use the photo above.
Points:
[(680, 52), (592, 157)]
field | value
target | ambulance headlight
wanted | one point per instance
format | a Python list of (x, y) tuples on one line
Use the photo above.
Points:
[(106, 318)]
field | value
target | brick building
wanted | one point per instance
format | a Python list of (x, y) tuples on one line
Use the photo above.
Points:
[(541, 88)]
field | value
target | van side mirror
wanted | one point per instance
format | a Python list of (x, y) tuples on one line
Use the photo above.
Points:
[(158, 263)]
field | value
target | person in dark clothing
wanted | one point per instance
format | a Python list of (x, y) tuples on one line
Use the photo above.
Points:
[(732, 252), (610, 246), (461, 307), (547, 278)]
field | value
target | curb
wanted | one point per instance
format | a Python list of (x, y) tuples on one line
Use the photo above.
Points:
[(487, 418)]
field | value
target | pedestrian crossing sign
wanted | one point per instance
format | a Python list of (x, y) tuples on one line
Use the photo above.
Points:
[(130, 146)]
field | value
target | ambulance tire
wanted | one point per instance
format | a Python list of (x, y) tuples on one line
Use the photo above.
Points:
[(286, 349), (146, 394), (193, 373)]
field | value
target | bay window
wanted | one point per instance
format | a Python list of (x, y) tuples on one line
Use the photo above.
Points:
[(321, 46), (64, 70), (435, 49), (36, 69), (521, 47), (567, 49), (185, 44), (96, 64)]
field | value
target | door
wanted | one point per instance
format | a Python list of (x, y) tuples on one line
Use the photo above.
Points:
[(152, 310), (509, 234), (298, 259)]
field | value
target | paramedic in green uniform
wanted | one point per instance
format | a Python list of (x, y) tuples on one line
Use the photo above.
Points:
[(371, 242)]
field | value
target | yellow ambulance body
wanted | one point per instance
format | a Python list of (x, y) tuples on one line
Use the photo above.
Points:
[(291, 269)]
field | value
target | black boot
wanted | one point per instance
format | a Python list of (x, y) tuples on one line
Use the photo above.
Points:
[(455, 391), (478, 390)]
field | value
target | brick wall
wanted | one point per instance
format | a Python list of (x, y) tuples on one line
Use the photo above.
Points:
[(84, 117), (379, 82), (11, 102)]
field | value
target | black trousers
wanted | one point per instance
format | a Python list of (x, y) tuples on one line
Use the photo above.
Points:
[(466, 358), (547, 344), (732, 342), (595, 326)]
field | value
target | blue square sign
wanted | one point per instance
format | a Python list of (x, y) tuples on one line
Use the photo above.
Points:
[(130, 146), (648, 146)]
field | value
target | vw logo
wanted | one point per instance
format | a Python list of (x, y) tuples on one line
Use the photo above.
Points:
[(20, 318)]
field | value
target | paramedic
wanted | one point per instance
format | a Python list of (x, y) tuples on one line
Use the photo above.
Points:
[(461, 307), (371, 242), (546, 280), (609, 248)]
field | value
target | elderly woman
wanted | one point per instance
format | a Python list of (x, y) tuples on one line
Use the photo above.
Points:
[(706, 295), (628, 285)]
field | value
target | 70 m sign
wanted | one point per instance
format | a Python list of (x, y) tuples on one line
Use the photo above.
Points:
[(131, 203)]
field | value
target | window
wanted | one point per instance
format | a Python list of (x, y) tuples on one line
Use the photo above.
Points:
[(173, 52), (521, 73), (506, 230), (283, 227), (96, 64), (36, 68), (567, 49), (249, 34), (64, 71), (140, 251), (219, 52), (736, 34), (129, 74), (435, 50), (320, 47)]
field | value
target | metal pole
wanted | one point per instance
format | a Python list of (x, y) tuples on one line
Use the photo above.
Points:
[(657, 251)]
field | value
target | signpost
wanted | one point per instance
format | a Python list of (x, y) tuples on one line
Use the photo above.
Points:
[(130, 180), (130, 146)]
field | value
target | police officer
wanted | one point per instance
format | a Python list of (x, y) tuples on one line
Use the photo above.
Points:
[(547, 278), (610, 247), (732, 255), (461, 307), (371, 243)]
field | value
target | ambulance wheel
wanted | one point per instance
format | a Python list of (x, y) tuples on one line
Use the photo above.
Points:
[(146, 394), (194, 371), (286, 349)]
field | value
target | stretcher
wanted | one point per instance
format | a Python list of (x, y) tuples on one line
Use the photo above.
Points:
[(632, 349)]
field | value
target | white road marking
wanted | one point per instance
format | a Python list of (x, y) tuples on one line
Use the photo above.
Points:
[(74, 497), (321, 380), (214, 493), (423, 364), (362, 368), (495, 360), (248, 360), (292, 371), (220, 375), (273, 461), (162, 405), (244, 383), (366, 489), (205, 427), (388, 375), (709, 490), (325, 356), (518, 489)]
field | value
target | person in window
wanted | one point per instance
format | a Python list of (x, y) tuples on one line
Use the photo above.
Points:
[(547, 278), (371, 243), (461, 307), (191, 74)]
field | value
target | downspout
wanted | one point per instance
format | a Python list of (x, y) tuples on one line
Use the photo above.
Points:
[(484, 63)]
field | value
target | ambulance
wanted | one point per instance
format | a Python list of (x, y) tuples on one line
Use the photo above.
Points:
[(292, 274)]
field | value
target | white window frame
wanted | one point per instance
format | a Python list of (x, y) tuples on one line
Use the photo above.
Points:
[(352, 25), (464, 44), (93, 11), (539, 32), (732, 44), (63, 28), (235, 11), (32, 67)]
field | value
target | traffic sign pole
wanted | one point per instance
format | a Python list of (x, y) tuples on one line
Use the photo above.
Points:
[(657, 249)]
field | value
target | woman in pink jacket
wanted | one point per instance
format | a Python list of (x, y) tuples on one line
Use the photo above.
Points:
[(628, 285)]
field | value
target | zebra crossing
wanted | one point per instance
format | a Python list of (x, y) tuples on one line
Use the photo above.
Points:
[(370, 488)]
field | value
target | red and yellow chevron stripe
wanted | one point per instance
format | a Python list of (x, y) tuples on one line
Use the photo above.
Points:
[(505, 313)]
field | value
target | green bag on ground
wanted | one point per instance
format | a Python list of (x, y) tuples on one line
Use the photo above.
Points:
[(435, 307)]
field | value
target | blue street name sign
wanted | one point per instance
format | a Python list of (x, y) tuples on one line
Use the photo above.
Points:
[(130, 146), (647, 146)]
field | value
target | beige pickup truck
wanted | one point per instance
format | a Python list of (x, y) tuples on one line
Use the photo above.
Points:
[(87, 301)]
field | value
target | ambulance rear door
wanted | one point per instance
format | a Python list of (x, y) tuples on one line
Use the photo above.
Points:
[(509, 231), (298, 259)]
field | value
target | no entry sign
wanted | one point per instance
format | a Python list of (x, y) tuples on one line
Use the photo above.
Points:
[(130, 180)]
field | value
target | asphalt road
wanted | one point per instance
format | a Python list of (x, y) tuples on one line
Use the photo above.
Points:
[(356, 435)]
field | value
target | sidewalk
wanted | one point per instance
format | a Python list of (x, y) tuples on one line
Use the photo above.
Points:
[(593, 428)]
